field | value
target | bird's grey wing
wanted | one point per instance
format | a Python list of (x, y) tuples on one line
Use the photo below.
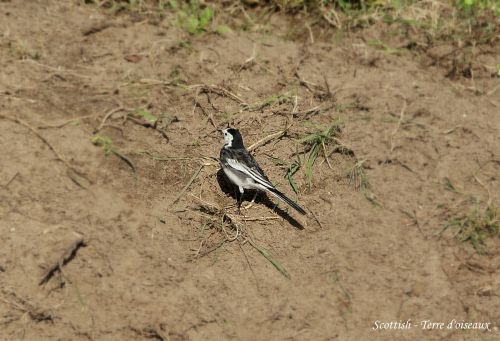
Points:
[(244, 162), (249, 160)]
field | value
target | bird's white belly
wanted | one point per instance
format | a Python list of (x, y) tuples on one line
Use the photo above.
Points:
[(239, 180)]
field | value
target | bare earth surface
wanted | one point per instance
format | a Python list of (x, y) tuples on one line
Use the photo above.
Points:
[(151, 268)]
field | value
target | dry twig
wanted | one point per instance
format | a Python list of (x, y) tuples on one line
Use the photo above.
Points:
[(195, 175), (68, 255), (317, 220), (65, 123), (267, 139), (400, 121), (198, 105), (108, 115)]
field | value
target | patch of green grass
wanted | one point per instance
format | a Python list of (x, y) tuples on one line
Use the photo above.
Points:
[(291, 170), (269, 101), (474, 7), (103, 141), (196, 17), (316, 142), (146, 115), (222, 29), (477, 226), (192, 16), (160, 121)]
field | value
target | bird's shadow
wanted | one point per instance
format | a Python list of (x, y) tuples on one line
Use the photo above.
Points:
[(227, 187)]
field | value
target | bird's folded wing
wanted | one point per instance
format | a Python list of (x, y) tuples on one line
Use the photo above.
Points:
[(253, 173)]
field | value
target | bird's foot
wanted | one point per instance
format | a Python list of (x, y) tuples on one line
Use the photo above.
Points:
[(251, 202), (238, 209)]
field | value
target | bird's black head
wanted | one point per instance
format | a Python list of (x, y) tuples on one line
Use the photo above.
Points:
[(232, 138)]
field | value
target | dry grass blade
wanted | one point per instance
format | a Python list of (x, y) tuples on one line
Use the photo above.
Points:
[(201, 159), (181, 193), (125, 158), (398, 126), (74, 121), (316, 219), (267, 139), (106, 116), (260, 218), (271, 259)]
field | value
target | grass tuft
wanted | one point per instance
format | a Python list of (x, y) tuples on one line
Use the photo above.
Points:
[(290, 172), (192, 16), (316, 142), (269, 101), (477, 226)]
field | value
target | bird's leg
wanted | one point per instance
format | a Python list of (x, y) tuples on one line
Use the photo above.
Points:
[(235, 196), (252, 202), (240, 200)]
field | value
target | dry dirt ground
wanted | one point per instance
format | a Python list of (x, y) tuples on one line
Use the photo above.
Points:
[(155, 265)]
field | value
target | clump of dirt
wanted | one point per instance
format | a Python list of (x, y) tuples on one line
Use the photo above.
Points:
[(110, 133)]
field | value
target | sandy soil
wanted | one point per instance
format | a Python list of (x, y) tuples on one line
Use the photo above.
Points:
[(151, 268)]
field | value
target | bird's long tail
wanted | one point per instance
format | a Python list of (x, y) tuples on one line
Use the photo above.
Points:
[(287, 200)]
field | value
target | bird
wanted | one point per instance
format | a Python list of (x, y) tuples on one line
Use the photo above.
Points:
[(243, 171)]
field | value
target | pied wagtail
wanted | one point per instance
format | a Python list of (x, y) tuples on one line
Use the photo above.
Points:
[(243, 171)]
